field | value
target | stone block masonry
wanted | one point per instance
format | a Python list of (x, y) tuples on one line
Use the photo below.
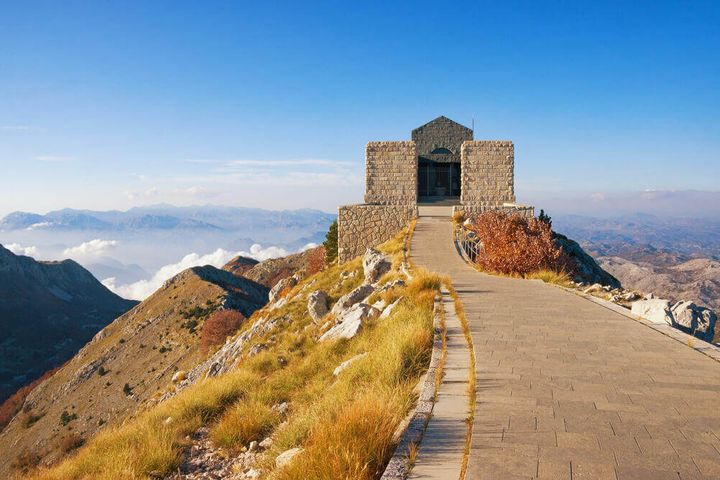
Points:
[(525, 211), (487, 173), (391, 173), (362, 226)]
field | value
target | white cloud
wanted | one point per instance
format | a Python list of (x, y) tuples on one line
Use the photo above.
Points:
[(35, 226), (54, 158), (192, 191), (150, 192), (18, 249), (16, 128), (92, 248), (144, 288)]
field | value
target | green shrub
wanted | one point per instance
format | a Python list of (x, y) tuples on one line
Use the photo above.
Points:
[(66, 418), (331, 242)]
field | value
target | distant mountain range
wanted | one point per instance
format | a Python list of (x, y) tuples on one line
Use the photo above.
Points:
[(166, 217), (674, 258), (48, 310)]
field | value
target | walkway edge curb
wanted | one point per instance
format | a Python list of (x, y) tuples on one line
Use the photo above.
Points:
[(413, 427)]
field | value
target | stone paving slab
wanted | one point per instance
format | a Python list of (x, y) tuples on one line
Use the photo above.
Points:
[(441, 452), (567, 388)]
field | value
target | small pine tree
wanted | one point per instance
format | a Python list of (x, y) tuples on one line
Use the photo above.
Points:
[(545, 218), (331, 243), (127, 390)]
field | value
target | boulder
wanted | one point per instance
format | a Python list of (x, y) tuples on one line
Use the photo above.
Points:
[(317, 305), (656, 310), (389, 309), (629, 296), (179, 376), (595, 287), (285, 457), (347, 363), (375, 265), (356, 296), (696, 320), (389, 285), (283, 284), (351, 322)]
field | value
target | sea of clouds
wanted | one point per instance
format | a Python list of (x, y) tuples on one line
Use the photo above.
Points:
[(142, 289)]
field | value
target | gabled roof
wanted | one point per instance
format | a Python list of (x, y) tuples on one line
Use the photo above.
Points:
[(441, 120)]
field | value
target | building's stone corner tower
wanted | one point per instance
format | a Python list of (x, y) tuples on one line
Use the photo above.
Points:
[(442, 164)]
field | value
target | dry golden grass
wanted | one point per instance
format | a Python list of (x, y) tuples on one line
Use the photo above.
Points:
[(550, 276), (345, 424)]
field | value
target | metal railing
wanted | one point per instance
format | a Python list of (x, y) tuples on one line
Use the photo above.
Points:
[(469, 242)]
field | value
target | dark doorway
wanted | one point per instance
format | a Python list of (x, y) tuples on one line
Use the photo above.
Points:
[(438, 180)]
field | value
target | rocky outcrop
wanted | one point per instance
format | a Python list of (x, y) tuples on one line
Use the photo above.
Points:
[(317, 305), (375, 265), (655, 310), (586, 268), (355, 296), (286, 457), (282, 285), (338, 370), (691, 318), (684, 315), (387, 311), (351, 322)]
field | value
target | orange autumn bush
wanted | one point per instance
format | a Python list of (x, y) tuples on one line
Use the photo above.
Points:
[(513, 245), (218, 326)]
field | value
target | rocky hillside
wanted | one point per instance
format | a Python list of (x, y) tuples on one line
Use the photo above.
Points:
[(48, 310), (312, 385), (127, 364), (669, 276)]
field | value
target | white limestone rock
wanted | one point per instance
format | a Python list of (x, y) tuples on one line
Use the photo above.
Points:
[(351, 322), (595, 287), (356, 296), (317, 305), (389, 309), (696, 320), (338, 370), (656, 310), (286, 457), (281, 285), (375, 265)]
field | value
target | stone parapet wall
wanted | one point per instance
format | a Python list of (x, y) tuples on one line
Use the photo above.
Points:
[(487, 173), (391, 173), (526, 211), (363, 226)]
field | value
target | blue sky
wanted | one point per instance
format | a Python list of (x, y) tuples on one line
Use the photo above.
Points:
[(116, 104)]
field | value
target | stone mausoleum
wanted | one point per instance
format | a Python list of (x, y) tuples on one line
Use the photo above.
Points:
[(442, 165)]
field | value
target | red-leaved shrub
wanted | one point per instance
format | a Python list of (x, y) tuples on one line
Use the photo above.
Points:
[(12, 405), (316, 260), (513, 245), (218, 326)]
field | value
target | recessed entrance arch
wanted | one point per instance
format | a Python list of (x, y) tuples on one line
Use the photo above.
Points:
[(438, 180)]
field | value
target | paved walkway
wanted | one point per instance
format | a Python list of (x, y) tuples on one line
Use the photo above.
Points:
[(442, 449), (567, 389)]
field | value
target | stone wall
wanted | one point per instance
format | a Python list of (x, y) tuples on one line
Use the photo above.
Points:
[(526, 211), (391, 173), (487, 173), (362, 226)]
